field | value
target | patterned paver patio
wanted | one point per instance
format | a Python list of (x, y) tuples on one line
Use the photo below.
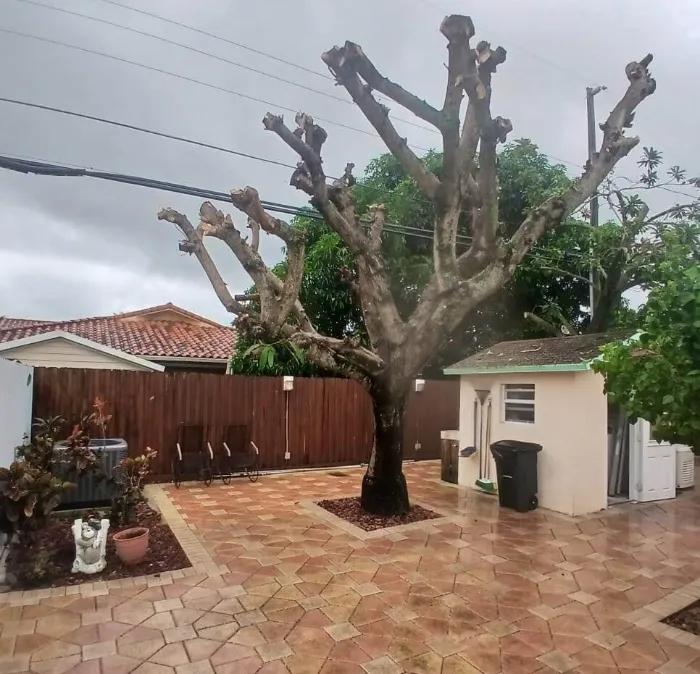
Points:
[(278, 588)]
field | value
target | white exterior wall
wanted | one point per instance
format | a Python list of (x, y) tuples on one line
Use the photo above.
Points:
[(60, 352), (16, 389), (570, 424)]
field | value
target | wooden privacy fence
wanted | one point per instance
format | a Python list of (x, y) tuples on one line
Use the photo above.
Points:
[(323, 422)]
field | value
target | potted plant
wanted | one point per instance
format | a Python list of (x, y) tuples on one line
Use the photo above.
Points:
[(131, 543)]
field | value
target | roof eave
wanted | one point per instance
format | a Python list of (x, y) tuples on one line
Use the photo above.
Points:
[(186, 359), (82, 341), (516, 369)]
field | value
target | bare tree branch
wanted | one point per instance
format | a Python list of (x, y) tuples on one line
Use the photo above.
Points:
[(378, 219), (615, 145), (342, 63), (458, 30), (277, 298), (350, 350), (299, 142), (214, 223), (193, 244), (367, 71), (247, 201), (255, 230), (542, 324), (466, 152)]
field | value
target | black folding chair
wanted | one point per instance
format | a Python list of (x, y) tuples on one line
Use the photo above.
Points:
[(239, 456), (193, 456)]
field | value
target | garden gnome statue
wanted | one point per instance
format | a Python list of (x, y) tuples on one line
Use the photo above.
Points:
[(90, 545)]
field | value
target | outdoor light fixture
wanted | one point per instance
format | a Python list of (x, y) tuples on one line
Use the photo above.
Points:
[(288, 383), (420, 385)]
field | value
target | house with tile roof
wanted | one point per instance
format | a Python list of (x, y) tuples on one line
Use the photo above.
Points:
[(161, 338)]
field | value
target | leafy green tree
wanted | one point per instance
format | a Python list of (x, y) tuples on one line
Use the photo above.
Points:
[(627, 251), (656, 375)]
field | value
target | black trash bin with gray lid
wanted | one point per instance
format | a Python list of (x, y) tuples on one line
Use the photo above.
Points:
[(516, 470)]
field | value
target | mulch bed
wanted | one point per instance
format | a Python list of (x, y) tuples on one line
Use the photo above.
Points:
[(351, 511), (164, 553), (687, 619)]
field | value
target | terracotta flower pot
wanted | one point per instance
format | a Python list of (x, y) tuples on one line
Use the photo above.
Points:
[(131, 544)]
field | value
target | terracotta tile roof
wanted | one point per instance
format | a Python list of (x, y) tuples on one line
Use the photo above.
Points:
[(139, 334), (535, 352), (7, 323)]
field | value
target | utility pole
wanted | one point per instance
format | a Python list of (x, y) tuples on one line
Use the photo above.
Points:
[(592, 145)]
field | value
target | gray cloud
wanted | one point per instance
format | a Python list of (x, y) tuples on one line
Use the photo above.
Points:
[(77, 247)]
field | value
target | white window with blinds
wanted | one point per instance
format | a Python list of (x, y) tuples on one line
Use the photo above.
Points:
[(519, 403)]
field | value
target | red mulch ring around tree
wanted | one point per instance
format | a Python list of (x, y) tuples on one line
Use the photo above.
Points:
[(56, 551), (687, 619), (351, 511)]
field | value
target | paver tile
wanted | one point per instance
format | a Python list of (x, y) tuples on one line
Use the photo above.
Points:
[(487, 591), (170, 655)]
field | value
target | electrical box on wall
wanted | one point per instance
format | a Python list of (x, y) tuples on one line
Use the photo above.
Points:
[(419, 385), (288, 383)]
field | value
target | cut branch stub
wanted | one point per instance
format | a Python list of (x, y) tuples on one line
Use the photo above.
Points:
[(488, 60), (306, 141), (247, 200), (503, 127), (457, 27), (211, 219), (193, 245), (313, 134), (347, 179), (255, 233), (301, 179), (378, 219)]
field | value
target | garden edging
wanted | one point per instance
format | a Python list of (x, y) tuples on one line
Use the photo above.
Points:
[(650, 617), (202, 563)]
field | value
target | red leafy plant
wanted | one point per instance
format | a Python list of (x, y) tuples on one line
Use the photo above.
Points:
[(32, 486), (129, 480)]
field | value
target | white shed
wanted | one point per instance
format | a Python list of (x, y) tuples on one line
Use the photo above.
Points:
[(544, 391)]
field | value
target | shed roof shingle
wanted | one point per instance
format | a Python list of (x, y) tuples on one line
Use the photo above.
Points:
[(193, 337), (576, 349)]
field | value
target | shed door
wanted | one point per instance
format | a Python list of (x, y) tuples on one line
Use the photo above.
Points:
[(655, 469)]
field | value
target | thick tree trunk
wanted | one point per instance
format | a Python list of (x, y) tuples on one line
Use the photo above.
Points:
[(384, 489), (604, 314)]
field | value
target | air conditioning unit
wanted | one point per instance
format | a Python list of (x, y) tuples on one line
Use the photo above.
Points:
[(91, 490), (685, 467)]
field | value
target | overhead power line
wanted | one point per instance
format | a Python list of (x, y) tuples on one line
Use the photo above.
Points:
[(140, 129), (185, 78), (181, 45), (53, 169), (169, 136), (38, 167), (214, 36), (208, 54), (235, 63), (182, 139)]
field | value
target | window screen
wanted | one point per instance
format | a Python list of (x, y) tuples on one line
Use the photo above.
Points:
[(519, 403)]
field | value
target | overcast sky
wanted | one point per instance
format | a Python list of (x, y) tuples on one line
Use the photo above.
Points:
[(76, 247)]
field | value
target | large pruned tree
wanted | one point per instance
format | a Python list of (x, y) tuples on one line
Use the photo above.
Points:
[(540, 284), (399, 348)]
